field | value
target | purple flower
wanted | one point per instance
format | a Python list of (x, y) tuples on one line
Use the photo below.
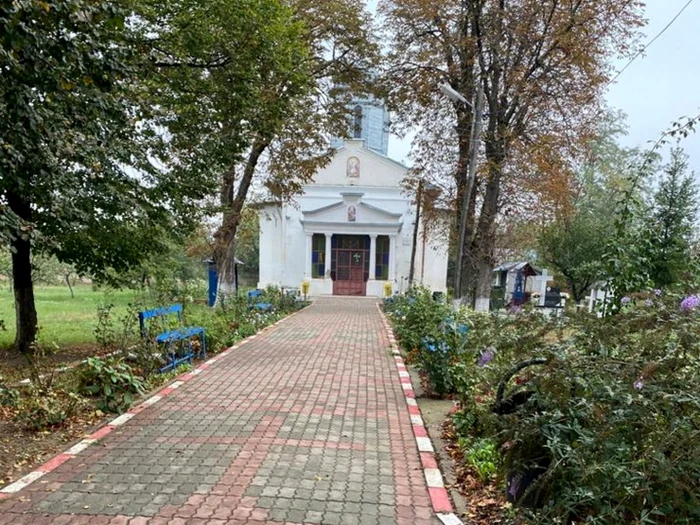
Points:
[(648, 303), (625, 300), (514, 486), (690, 303), (486, 357), (658, 292), (639, 383)]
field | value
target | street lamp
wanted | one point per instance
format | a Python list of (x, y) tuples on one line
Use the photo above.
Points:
[(456, 96), (453, 94)]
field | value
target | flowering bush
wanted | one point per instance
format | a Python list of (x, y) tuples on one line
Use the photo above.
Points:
[(597, 420), (432, 333)]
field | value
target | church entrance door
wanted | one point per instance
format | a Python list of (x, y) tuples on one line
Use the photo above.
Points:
[(350, 264)]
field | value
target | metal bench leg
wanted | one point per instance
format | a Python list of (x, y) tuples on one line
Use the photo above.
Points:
[(204, 346)]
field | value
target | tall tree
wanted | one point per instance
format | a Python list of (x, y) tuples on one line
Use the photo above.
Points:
[(542, 66), (69, 133), (244, 111), (574, 243), (671, 227), (574, 246)]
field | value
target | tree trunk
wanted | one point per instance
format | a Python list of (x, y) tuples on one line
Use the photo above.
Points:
[(70, 287), (464, 124), (486, 228), (469, 272), (25, 309), (224, 252)]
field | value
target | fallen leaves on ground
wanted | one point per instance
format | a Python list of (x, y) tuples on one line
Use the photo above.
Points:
[(24, 449), (486, 502)]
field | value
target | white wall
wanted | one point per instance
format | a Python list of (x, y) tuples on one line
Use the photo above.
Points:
[(283, 239)]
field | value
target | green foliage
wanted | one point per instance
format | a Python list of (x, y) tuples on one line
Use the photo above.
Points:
[(8, 396), (248, 242), (417, 316), (69, 132), (632, 254), (235, 319), (573, 247), (104, 331), (214, 118), (432, 334), (74, 134), (481, 455), (671, 227), (112, 381), (114, 333), (575, 244), (596, 419), (44, 409)]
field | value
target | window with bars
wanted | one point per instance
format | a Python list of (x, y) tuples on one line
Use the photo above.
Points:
[(381, 268), (318, 256)]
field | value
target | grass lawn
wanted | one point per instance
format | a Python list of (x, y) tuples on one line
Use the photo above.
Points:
[(64, 320)]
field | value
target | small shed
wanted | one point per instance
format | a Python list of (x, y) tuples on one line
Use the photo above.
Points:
[(214, 279), (511, 286)]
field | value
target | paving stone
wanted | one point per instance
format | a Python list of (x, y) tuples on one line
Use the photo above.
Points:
[(306, 423)]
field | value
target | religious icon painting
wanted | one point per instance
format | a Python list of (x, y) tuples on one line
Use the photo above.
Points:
[(353, 168)]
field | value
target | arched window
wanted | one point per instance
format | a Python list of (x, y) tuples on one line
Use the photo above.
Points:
[(357, 123)]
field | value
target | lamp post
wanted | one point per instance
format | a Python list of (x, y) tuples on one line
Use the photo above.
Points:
[(475, 133), (414, 243)]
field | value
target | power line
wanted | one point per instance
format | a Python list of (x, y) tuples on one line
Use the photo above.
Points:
[(641, 51)]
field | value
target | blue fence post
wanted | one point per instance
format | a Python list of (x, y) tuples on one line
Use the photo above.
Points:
[(213, 282)]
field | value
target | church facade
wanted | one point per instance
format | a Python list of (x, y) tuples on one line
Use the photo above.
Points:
[(351, 231)]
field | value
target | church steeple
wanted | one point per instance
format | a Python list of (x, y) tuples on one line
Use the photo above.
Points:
[(368, 120)]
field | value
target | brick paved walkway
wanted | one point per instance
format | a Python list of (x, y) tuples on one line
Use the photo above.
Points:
[(307, 423)]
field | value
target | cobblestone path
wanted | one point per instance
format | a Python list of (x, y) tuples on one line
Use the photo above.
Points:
[(306, 423)]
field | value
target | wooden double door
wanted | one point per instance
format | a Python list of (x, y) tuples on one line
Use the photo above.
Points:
[(350, 264)]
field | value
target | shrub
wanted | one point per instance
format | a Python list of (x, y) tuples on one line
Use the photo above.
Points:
[(597, 420), (43, 409), (417, 317), (438, 354), (112, 381), (435, 336), (112, 333), (8, 396)]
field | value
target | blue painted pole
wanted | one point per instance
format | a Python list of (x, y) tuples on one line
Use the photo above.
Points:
[(213, 283)]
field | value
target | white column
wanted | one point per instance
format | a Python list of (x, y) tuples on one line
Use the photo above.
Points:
[(309, 247), (327, 259), (372, 257), (392, 257)]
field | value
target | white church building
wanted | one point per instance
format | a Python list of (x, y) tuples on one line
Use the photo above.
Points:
[(351, 231)]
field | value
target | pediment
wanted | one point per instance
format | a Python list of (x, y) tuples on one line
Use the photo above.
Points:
[(351, 210)]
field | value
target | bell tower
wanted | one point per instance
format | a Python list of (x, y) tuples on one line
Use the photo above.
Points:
[(368, 120)]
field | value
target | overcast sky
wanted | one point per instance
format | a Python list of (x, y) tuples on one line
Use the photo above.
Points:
[(658, 88)]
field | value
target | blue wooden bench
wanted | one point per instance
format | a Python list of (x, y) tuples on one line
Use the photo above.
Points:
[(177, 341), (255, 294)]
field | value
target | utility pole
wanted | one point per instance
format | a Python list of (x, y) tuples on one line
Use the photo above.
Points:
[(471, 175), (419, 199)]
